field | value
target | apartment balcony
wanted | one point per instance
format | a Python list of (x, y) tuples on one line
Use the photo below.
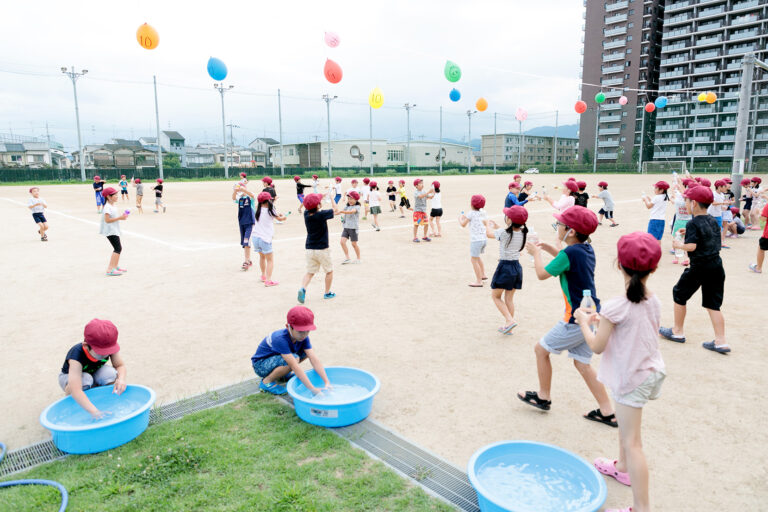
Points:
[(727, 138), (761, 151), (610, 106), (616, 19), (701, 138), (616, 131), (665, 154), (615, 44), (676, 33), (678, 19), (681, 45), (704, 41), (669, 113), (614, 93), (712, 11), (712, 54), (671, 74), (671, 87), (734, 65), (611, 81), (697, 152), (607, 156), (741, 20), (725, 152), (700, 111), (612, 57), (676, 6), (762, 122), (668, 127), (610, 119), (738, 6), (615, 6), (744, 34), (730, 94), (612, 69), (614, 31), (741, 49), (706, 68), (672, 60), (710, 26), (705, 83), (703, 125), (733, 80), (608, 143), (670, 140), (730, 124)]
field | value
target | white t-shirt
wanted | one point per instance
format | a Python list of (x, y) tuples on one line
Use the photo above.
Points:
[(509, 246), (716, 210), (476, 226), (681, 211), (659, 208), (111, 228), (264, 228), (315, 183), (39, 208), (365, 192), (436, 202), (374, 198), (337, 188), (564, 202)]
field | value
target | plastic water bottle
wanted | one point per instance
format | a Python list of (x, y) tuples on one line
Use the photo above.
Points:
[(679, 253), (127, 212), (674, 177), (533, 237), (588, 304)]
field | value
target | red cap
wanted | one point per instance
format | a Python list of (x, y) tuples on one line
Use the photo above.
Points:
[(686, 182), (757, 180), (527, 183), (312, 201), (516, 176), (338, 179), (296, 178), (705, 182), (700, 194), (514, 185), (33, 188), (374, 184), (571, 179), (101, 336), (266, 179), (301, 318), (402, 181), (108, 192), (663, 185), (314, 176), (263, 196), (354, 195), (745, 182), (366, 180), (580, 219), (477, 201), (581, 184), (697, 179), (734, 210), (390, 182), (728, 180), (96, 178), (354, 180), (243, 175), (603, 184), (436, 184), (122, 175), (159, 180), (517, 214), (639, 251), (417, 181), (571, 185), (720, 183), (137, 180)]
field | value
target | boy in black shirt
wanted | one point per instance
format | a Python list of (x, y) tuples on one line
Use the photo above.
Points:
[(159, 196), (582, 198), (300, 191), (318, 252), (702, 243)]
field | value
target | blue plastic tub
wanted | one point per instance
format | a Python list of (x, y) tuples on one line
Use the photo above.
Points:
[(74, 431), (524, 476), (334, 414)]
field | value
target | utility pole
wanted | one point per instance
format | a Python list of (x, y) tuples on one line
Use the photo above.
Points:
[(327, 98), (494, 143), (222, 90), (520, 145), (280, 122), (693, 137), (554, 144), (597, 119), (48, 138), (469, 145), (74, 75), (157, 125), (440, 151), (231, 141), (642, 137), (370, 134), (408, 108)]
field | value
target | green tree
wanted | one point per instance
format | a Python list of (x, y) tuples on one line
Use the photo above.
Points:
[(171, 161), (620, 154), (635, 154), (586, 157)]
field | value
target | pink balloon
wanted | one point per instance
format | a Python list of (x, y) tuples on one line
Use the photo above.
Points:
[(521, 114), (623, 100), (332, 71), (332, 39)]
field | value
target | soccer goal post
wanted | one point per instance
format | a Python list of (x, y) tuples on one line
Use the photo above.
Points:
[(669, 166)]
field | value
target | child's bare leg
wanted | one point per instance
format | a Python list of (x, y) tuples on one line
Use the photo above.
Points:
[(307, 278), (113, 261), (280, 371), (432, 226), (426, 227), (482, 268), (629, 419), (760, 259), (357, 249), (415, 231), (328, 281), (270, 265), (376, 219), (680, 311), (595, 387), (439, 228), (509, 296), (478, 271), (344, 248), (263, 263), (501, 305), (718, 324), (247, 253), (544, 370)]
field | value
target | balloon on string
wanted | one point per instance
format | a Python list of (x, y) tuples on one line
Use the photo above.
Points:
[(481, 104), (217, 69), (332, 71), (376, 98), (661, 102), (623, 100), (332, 39), (452, 71), (599, 97), (521, 114), (147, 37), (580, 107), (650, 107), (711, 97), (455, 95), (702, 96)]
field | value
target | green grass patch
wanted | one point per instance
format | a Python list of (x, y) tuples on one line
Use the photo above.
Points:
[(252, 454)]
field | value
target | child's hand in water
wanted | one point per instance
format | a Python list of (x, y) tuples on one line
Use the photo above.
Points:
[(328, 387), (97, 415), (119, 386)]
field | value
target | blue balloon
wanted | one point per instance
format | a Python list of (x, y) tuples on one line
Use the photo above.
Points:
[(455, 95), (660, 102), (217, 69)]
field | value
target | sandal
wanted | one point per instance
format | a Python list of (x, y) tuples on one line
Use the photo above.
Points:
[(507, 328), (721, 349), (608, 467), (271, 283), (666, 332), (475, 285), (532, 398), (598, 416)]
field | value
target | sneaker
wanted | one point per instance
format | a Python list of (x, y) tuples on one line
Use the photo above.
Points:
[(329, 295), (273, 387), (346, 261), (356, 262), (163, 209), (245, 266), (666, 332), (377, 229), (675, 261), (156, 211), (753, 268), (374, 227), (271, 283), (114, 272), (416, 240), (302, 295), (723, 246), (614, 225), (427, 239), (686, 263)]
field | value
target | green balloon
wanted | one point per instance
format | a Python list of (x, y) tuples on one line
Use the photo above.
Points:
[(452, 71), (599, 97)]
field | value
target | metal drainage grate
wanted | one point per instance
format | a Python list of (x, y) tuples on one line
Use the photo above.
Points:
[(25, 458)]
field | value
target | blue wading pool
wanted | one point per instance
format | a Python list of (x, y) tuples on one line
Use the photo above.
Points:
[(74, 431), (524, 476), (350, 401)]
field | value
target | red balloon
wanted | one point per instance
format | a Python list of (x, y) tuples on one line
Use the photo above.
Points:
[(650, 107), (580, 107), (332, 71)]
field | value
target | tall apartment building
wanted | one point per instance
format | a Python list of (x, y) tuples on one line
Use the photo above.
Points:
[(703, 44), (621, 51), (537, 150)]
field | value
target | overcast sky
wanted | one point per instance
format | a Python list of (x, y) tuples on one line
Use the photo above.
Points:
[(514, 53)]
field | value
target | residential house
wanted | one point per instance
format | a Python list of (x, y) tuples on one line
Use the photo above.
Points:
[(173, 142)]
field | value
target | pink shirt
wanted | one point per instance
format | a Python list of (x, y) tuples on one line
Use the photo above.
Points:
[(564, 202), (632, 351)]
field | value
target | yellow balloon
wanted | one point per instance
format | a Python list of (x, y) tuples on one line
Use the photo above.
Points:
[(376, 98), (481, 104), (147, 37), (702, 96)]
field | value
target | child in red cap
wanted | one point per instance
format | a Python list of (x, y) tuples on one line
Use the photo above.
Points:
[(436, 211), (38, 205), (139, 193), (335, 190), (631, 365), (365, 192), (159, 196), (281, 352), (300, 191), (243, 198), (478, 238), (265, 218), (98, 186), (658, 206), (351, 225), (762, 245), (403, 198), (318, 254), (508, 276), (374, 199), (110, 227), (582, 198), (608, 204), (420, 197), (392, 195), (702, 243), (85, 364), (575, 268)]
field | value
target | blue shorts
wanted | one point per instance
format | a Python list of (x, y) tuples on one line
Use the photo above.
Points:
[(262, 246), (245, 234), (508, 275), (267, 365), (301, 197), (337, 198), (719, 221), (99, 199), (477, 248), (39, 218), (656, 228)]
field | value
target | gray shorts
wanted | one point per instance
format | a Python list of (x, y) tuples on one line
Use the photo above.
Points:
[(650, 389), (104, 376), (158, 201), (477, 248), (568, 337), (349, 233)]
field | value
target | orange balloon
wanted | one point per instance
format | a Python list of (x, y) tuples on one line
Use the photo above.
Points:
[(711, 97), (481, 104), (147, 37), (332, 71)]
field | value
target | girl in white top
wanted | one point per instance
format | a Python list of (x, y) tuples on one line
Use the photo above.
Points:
[(568, 199), (110, 227), (508, 276), (374, 200), (436, 211), (477, 237), (631, 366), (261, 236), (38, 205), (682, 215), (658, 206)]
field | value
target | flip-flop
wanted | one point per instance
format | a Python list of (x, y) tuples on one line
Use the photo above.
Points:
[(271, 283), (598, 416), (666, 332), (753, 268), (532, 398), (608, 467), (710, 345), (473, 285), (508, 328)]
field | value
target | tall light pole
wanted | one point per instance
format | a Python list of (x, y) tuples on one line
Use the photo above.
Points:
[(494, 143), (231, 141), (327, 98), (370, 134), (440, 151), (157, 127), (597, 119), (642, 136), (74, 75), (408, 108), (280, 123), (222, 90), (469, 139), (554, 143)]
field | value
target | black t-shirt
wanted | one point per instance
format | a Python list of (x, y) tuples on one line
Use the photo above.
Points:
[(300, 187), (158, 191), (703, 231), (522, 196), (98, 185), (271, 191), (581, 199), (391, 190), (317, 229), (78, 354)]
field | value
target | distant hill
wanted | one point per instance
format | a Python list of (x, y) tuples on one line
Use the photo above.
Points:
[(566, 130)]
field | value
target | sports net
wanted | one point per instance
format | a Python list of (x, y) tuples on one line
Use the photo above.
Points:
[(666, 166)]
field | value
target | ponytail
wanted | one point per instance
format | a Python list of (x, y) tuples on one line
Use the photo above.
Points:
[(636, 289), (511, 229)]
